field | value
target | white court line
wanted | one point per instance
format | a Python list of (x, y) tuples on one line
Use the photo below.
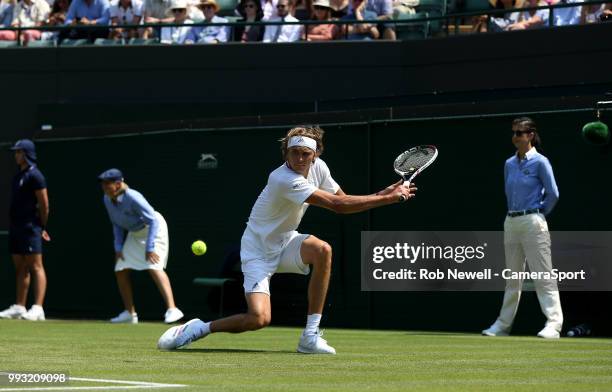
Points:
[(127, 385)]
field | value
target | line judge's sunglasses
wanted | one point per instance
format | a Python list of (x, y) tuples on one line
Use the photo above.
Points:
[(178, 10), (520, 133)]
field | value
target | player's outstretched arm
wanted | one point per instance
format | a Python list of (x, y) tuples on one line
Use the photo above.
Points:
[(342, 203)]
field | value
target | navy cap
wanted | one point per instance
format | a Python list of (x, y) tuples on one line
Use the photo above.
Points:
[(111, 175), (27, 146)]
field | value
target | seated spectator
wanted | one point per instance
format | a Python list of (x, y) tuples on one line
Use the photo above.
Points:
[(124, 12), (360, 31), (251, 11), (568, 15), (500, 22), (87, 13), (177, 34), (194, 12), (384, 11), (59, 10), (283, 33), (301, 9), (321, 32), (340, 8), (57, 17), (209, 34), (591, 13), (269, 9), (531, 19), (155, 11), (606, 15), (27, 13), (6, 13)]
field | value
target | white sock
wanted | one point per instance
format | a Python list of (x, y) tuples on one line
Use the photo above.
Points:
[(36, 307), (201, 329), (312, 324)]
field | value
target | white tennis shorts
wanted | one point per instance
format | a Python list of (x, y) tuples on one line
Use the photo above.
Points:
[(258, 271), (134, 248)]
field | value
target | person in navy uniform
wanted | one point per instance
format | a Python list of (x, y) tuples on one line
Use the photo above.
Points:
[(29, 212)]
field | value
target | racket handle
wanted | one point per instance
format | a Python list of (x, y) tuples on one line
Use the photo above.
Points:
[(402, 197)]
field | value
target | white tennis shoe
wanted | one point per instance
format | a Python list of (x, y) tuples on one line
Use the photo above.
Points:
[(13, 312), (495, 330), (126, 318), (36, 313), (314, 344), (173, 315), (549, 333), (181, 336)]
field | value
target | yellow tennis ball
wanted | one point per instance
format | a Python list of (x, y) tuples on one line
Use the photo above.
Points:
[(198, 248)]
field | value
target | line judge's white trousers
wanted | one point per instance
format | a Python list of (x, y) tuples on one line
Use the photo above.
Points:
[(526, 238)]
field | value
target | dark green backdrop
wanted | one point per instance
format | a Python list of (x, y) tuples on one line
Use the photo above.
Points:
[(463, 190)]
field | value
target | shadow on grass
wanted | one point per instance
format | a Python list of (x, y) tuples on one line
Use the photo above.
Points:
[(231, 350)]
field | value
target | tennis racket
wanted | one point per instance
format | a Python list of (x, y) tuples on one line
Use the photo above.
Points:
[(410, 163)]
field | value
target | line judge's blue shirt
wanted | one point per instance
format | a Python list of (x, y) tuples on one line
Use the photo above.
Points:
[(131, 212), (530, 183)]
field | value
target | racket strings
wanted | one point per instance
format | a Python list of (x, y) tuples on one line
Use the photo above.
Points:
[(414, 160)]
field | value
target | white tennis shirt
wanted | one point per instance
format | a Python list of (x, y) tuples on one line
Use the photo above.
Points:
[(280, 207)]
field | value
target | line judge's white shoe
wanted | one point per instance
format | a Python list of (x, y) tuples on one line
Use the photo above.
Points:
[(173, 315), (495, 330), (36, 313), (125, 317), (549, 333), (314, 344), (13, 312)]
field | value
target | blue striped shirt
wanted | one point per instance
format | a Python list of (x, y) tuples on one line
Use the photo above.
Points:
[(530, 183), (131, 212)]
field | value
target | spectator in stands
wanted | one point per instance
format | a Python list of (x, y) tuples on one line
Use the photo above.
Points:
[(321, 32), (155, 11), (269, 9), (57, 17), (209, 34), (384, 11), (251, 11), (606, 15), (58, 13), (360, 31), (591, 13), (6, 13), (340, 8), (531, 19), (500, 22), (87, 13), (301, 9), (177, 34), (27, 13), (125, 12), (568, 15), (283, 33)]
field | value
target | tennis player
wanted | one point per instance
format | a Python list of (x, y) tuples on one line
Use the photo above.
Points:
[(270, 244), (531, 193), (145, 247), (29, 212)]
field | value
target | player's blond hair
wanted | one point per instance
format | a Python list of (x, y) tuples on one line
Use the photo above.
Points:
[(311, 131)]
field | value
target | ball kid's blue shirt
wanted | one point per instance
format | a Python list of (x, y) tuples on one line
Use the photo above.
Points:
[(131, 212)]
